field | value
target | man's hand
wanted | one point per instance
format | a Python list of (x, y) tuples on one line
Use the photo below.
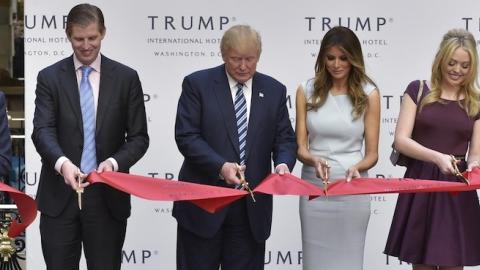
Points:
[(105, 166), (282, 169), (73, 176), (229, 172)]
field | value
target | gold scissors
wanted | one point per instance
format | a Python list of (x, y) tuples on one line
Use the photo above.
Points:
[(244, 182), (456, 171), (325, 180), (79, 191)]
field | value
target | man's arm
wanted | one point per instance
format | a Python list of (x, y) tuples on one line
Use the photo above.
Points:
[(285, 146), (137, 139), (44, 134), (5, 139), (188, 133)]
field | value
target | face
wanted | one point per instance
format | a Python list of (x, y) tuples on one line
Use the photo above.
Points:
[(457, 68), (241, 64), (337, 63), (86, 42)]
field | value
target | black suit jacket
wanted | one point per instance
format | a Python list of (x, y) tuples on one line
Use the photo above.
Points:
[(121, 129), (206, 135)]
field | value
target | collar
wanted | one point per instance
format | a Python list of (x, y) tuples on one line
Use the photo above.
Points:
[(233, 83), (95, 64)]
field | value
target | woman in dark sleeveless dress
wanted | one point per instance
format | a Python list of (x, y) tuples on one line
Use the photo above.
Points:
[(440, 230)]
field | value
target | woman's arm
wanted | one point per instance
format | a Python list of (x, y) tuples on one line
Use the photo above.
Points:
[(407, 146), (372, 133), (303, 154), (474, 149)]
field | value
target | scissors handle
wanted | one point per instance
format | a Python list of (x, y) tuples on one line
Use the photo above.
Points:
[(244, 183), (79, 191), (456, 171), (325, 180)]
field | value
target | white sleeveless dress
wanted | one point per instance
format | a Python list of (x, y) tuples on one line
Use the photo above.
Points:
[(334, 228)]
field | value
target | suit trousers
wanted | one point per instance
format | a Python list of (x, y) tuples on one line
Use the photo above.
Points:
[(232, 247), (101, 235)]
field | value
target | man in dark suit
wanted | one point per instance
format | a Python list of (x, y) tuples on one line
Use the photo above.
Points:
[(230, 120), (5, 140), (89, 115)]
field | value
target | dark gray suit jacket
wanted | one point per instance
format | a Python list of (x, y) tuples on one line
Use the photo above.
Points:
[(121, 129)]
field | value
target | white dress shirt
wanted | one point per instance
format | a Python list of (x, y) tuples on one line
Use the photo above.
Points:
[(94, 79), (247, 91)]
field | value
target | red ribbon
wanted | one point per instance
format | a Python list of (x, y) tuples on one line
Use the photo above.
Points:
[(27, 208), (213, 198), (210, 198), (289, 184)]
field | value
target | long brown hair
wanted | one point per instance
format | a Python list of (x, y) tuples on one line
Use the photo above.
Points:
[(346, 40), (451, 41)]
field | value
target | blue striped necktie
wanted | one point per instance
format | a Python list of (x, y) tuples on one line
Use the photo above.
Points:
[(241, 115), (89, 155)]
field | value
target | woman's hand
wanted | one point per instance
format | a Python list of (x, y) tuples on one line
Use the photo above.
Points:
[(322, 169), (472, 164), (352, 172), (444, 163)]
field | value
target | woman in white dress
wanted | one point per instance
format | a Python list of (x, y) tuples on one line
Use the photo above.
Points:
[(338, 111)]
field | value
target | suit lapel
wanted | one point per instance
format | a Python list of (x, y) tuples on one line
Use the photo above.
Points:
[(70, 85), (254, 118), (106, 90), (225, 103)]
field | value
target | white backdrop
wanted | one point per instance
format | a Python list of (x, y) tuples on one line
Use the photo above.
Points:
[(166, 40)]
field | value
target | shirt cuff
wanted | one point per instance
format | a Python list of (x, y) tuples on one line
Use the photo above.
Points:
[(284, 164), (59, 163), (114, 163)]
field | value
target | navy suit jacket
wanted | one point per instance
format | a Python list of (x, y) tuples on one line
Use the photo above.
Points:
[(121, 129), (206, 135), (5, 140)]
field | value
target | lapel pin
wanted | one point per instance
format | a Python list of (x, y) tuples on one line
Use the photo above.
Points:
[(260, 94)]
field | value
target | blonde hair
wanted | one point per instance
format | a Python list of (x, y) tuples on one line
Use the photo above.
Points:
[(451, 41), (240, 37), (344, 39)]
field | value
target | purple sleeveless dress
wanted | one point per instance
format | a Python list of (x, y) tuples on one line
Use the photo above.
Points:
[(437, 228)]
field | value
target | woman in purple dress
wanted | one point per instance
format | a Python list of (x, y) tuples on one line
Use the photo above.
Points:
[(440, 230)]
